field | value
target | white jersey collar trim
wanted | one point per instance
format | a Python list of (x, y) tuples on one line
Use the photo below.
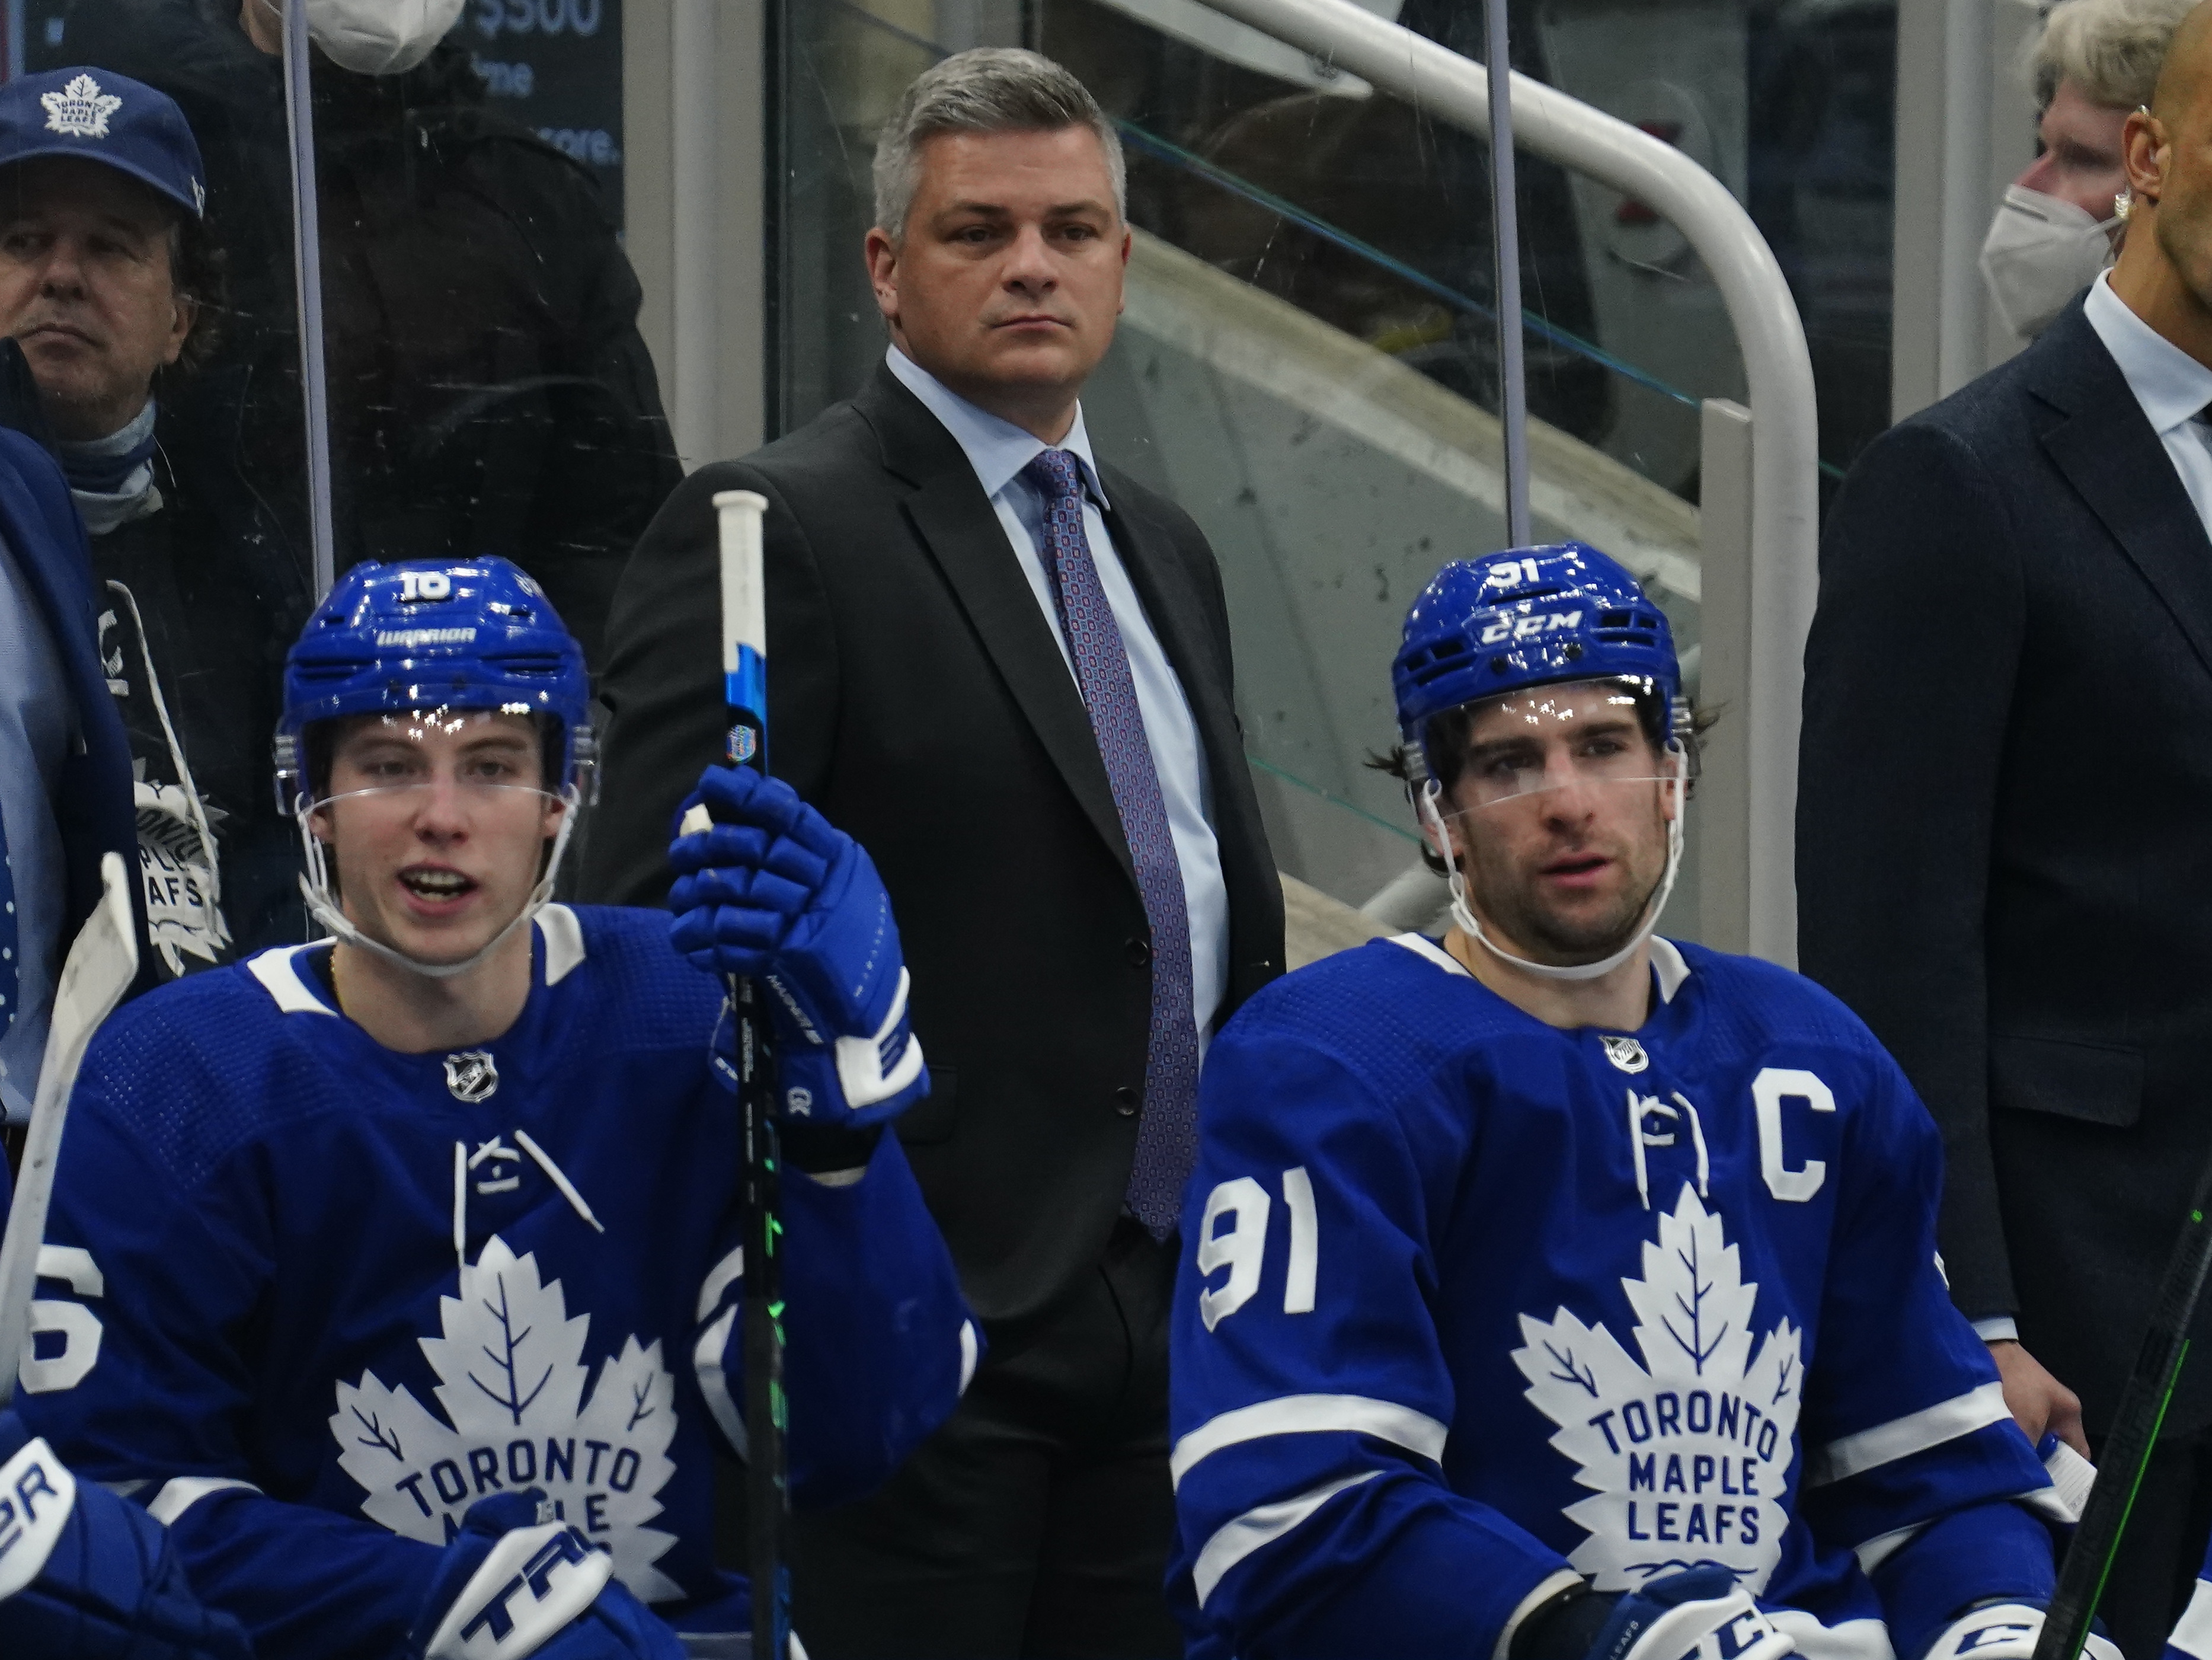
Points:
[(1421, 945), (1668, 966), (281, 981), (281, 978), (565, 941)]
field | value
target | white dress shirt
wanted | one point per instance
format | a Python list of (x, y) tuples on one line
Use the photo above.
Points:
[(2171, 386), (998, 450)]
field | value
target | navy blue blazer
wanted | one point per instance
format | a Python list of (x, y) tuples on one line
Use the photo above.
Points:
[(2004, 834), (40, 524)]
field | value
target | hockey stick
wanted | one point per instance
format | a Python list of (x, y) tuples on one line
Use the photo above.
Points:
[(2126, 1452), (102, 964), (768, 1497)]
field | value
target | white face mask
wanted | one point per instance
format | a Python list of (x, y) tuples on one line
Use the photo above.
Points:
[(379, 37), (2039, 253)]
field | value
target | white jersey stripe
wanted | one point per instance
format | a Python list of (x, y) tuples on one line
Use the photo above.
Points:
[(2193, 1633), (1310, 1415), (1901, 1438), (1261, 1526), (179, 1495)]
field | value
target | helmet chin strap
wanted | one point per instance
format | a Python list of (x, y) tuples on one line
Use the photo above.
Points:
[(315, 888), (1463, 913)]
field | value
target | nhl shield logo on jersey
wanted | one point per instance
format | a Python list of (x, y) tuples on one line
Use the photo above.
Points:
[(1687, 1452), (512, 1375), (1625, 1053), (471, 1075)]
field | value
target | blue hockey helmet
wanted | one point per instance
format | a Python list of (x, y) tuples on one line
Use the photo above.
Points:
[(1532, 616), (418, 633)]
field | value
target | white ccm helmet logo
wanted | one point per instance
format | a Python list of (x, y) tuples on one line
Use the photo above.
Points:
[(1527, 627)]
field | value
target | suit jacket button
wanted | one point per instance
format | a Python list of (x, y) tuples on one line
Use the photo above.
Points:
[(1125, 1100), (1140, 952)]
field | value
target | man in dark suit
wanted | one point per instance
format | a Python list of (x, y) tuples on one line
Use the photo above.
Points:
[(2004, 829), (1006, 668)]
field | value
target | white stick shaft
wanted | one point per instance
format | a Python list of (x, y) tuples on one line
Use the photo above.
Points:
[(102, 964), (744, 595)]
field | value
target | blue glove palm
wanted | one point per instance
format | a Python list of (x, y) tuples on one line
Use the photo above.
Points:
[(512, 1585), (86, 1575), (767, 887)]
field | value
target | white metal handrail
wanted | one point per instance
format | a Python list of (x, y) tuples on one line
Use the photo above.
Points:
[(1777, 369)]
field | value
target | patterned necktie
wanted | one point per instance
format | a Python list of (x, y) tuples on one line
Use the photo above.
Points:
[(7, 934), (1167, 1135)]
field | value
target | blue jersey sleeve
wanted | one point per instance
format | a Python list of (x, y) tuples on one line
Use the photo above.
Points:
[(144, 1378), (879, 1343), (1912, 1459), (1311, 1398)]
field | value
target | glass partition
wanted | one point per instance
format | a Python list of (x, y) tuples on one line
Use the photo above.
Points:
[(1306, 364), (489, 390)]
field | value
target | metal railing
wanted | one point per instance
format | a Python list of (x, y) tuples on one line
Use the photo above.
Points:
[(1760, 476)]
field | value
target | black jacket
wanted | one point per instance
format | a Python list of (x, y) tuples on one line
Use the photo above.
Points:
[(490, 392), (195, 610), (916, 696), (2004, 835)]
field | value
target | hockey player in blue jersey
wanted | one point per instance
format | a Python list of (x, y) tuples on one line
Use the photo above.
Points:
[(396, 1274), (1558, 1291)]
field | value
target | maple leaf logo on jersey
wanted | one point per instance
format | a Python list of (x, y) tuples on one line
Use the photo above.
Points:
[(513, 1391), (1686, 1452)]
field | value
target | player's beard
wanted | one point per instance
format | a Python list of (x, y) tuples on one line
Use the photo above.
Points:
[(1507, 893)]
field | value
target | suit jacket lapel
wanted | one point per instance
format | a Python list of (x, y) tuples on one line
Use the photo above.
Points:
[(2104, 446), (955, 521)]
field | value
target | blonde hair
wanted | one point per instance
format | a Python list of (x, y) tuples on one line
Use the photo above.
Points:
[(2110, 49)]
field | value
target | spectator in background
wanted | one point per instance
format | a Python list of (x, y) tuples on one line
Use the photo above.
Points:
[(64, 764), (109, 282), (1006, 669), (2005, 779), (489, 391), (2060, 221)]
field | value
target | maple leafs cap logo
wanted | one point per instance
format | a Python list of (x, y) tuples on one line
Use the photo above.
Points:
[(80, 110)]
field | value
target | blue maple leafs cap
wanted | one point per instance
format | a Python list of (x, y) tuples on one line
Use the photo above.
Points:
[(105, 117)]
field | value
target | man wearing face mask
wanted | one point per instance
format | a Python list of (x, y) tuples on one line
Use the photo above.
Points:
[(2060, 223), (2004, 779), (490, 392)]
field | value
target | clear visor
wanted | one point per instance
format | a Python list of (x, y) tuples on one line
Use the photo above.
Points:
[(476, 763), (1522, 748)]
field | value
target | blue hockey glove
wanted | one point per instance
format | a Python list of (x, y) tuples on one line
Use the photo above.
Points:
[(517, 1582), (768, 887), (1695, 1615), (86, 1575)]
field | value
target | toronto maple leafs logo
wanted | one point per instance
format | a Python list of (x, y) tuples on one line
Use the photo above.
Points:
[(510, 1359), (1687, 1453), (81, 109)]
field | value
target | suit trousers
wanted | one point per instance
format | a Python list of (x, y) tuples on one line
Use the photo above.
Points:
[(1036, 1522), (2163, 1546)]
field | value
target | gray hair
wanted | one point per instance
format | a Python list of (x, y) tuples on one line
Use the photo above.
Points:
[(989, 90), (2110, 49)]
